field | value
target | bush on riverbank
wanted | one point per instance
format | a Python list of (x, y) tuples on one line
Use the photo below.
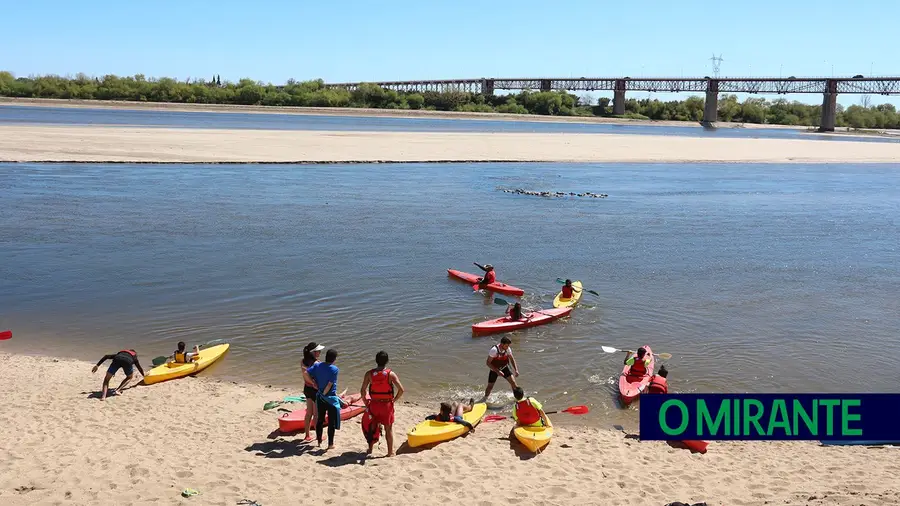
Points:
[(315, 94)]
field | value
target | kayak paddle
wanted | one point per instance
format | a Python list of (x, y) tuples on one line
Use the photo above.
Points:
[(610, 349), (6, 334), (563, 281)]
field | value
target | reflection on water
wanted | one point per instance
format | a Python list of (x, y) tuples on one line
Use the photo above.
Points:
[(760, 278)]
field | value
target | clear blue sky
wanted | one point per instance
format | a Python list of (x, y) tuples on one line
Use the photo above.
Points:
[(273, 40)]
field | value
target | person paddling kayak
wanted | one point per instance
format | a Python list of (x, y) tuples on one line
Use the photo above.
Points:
[(659, 382), (489, 275), (499, 359), (181, 356), (527, 412), (568, 290), (125, 360), (514, 312), (638, 362)]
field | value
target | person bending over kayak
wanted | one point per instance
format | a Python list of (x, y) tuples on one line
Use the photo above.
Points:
[(527, 412), (310, 357), (183, 358), (125, 360), (384, 390), (639, 362), (325, 374), (489, 275), (659, 383), (454, 413), (499, 359)]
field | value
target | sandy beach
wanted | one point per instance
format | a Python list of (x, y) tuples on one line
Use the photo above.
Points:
[(64, 446), (168, 145)]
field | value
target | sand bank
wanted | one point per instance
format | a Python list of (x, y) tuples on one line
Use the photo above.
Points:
[(61, 445), (170, 145)]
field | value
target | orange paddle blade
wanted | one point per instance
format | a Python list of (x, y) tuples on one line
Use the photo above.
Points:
[(576, 410), (6, 334)]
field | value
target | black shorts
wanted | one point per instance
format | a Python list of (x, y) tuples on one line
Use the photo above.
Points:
[(492, 377), (127, 368), (309, 392)]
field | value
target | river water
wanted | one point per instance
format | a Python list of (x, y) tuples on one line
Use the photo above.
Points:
[(27, 115), (757, 278)]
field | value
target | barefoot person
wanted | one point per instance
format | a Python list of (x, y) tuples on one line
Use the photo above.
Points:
[(125, 360), (325, 374), (499, 359), (384, 390), (453, 413), (311, 354)]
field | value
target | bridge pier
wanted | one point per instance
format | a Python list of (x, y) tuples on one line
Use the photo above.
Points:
[(711, 105), (619, 98), (545, 85), (829, 107), (487, 87)]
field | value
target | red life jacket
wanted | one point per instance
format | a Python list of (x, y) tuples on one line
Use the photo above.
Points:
[(489, 277), (526, 413), (567, 292), (381, 389), (133, 354), (658, 385), (638, 368), (502, 358)]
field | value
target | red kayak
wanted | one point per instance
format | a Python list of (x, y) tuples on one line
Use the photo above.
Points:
[(506, 324), (631, 386), (494, 287), (294, 421)]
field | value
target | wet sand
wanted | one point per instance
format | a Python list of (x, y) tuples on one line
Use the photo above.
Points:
[(99, 144), (64, 446)]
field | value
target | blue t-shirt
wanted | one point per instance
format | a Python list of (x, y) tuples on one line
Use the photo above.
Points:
[(323, 374)]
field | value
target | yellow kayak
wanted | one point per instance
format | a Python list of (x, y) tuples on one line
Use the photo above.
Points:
[(174, 370), (534, 438), (559, 301), (432, 431)]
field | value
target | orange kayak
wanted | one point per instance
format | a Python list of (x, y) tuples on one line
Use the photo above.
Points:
[(507, 324)]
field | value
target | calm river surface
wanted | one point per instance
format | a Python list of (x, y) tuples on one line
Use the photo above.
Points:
[(762, 278)]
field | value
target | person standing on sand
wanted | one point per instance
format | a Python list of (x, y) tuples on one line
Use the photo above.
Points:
[(384, 389), (310, 357), (125, 360), (325, 374), (499, 359)]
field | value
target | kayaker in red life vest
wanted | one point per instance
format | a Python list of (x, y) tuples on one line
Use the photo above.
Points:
[(454, 413), (514, 312), (489, 275), (499, 359), (568, 290), (528, 412), (639, 362), (125, 360), (384, 389), (658, 383)]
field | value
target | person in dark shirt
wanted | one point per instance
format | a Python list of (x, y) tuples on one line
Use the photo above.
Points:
[(125, 360), (454, 413)]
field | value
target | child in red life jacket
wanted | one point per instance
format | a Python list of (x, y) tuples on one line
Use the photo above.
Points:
[(451, 413), (568, 290), (514, 312), (528, 412), (639, 362), (658, 383)]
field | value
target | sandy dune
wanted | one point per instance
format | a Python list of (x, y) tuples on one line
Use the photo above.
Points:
[(61, 445)]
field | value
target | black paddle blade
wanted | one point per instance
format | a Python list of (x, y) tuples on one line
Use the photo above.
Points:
[(593, 293), (500, 302)]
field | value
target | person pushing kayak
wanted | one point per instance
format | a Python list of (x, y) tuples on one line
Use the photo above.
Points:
[(638, 362), (659, 383), (182, 357), (125, 360), (527, 412), (384, 389), (489, 275), (499, 359), (453, 413)]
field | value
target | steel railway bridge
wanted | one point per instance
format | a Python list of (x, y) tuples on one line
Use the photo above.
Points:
[(829, 87)]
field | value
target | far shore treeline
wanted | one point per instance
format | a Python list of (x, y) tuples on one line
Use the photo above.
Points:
[(314, 94)]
